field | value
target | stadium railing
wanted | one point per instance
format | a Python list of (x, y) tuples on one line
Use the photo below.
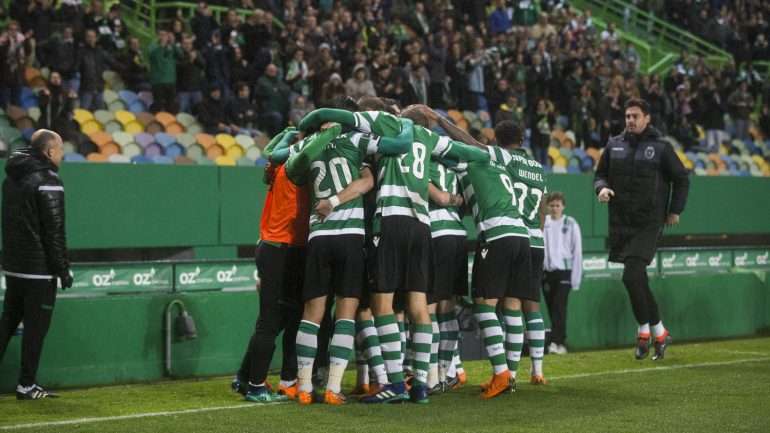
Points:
[(144, 18), (658, 32)]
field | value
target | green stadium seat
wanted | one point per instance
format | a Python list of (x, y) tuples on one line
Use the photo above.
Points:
[(119, 159), (244, 162), (113, 126), (68, 147), (253, 153), (185, 119), (204, 161), (194, 129), (131, 150), (196, 152), (110, 96), (185, 139), (122, 138), (103, 116), (116, 105)]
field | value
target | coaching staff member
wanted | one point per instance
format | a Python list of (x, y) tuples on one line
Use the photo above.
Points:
[(646, 185), (34, 251)]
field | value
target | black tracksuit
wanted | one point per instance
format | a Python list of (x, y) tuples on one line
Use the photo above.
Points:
[(34, 253), (649, 182)]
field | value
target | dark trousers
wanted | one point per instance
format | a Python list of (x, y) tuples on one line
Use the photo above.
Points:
[(557, 288), (31, 301), (163, 98), (638, 286), (281, 270)]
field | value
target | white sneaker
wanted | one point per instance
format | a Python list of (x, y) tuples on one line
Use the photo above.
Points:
[(561, 350), (553, 348)]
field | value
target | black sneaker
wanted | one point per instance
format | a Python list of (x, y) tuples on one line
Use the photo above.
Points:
[(439, 388), (660, 347), (239, 385), (452, 383), (642, 348), (34, 392)]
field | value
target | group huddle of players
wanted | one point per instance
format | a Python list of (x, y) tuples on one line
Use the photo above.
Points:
[(386, 240)]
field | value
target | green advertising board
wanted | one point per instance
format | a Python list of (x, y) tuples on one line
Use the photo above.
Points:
[(216, 275), (598, 266), (752, 258), (122, 278), (695, 261)]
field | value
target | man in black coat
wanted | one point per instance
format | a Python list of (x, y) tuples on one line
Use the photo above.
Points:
[(34, 251), (646, 186)]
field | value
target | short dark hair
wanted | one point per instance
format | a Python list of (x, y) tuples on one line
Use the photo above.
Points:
[(342, 103), (371, 103), (556, 195), (638, 102), (416, 116), (508, 133), (240, 85), (392, 105), (41, 141)]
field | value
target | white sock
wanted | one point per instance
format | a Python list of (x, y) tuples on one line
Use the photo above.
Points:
[(288, 383), (644, 329), (658, 329), (336, 371)]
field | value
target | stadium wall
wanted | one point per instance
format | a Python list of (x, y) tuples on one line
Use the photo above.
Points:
[(146, 206), (119, 338)]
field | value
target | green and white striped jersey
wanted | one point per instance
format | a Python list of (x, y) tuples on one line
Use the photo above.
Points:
[(444, 221), (529, 184), (488, 190), (329, 174), (403, 179)]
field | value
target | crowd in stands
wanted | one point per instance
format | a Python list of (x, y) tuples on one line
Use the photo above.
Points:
[(535, 62), (737, 26)]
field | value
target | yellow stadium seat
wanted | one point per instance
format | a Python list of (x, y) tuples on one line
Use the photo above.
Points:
[(553, 153), (134, 127), (125, 117), (235, 152), (89, 127), (225, 160), (225, 140), (82, 116)]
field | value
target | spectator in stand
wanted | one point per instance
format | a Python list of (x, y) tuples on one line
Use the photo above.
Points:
[(711, 112), (41, 17), (242, 114), (500, 19), (477, 61), (418, 77), (273, 95), (332, 90), (741, 103), (211, 111), (92, 62), (190, 76), (113, 31), (203, 25), (563, 266), (134, 67), (12, 60), (163, 57), (764, 120), (64, 56), (511, 110), (56, 107), (240, 70), (297, 74), (178, 29), (541, 125), (359, 84), (218, 59), (438, 52), (300, 107)]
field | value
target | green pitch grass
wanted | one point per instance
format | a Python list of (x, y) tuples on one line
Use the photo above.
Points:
[(719, 386)]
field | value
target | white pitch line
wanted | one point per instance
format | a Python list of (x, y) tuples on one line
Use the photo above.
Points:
[(661, 368), (247, 405), (133, 416)]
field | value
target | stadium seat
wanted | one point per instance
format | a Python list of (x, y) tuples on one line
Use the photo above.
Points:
[(183, 160), (225, 140), (109, 96), (245, 141), (68, 147), (103, 116), (119, 159), (144, 118), (174, 150), (144, 139), (196, 152), (116, 105), (96, 157), (165, 118), (214, 151), (161, 159), (194, 129), (109, 149), (25, 122), (488, 133), (113, 126), (146, 97), (15, 113), (133, 127), (128, 97), (185, 139), (137, 107), (131, 150), (175, 128), (122, 138), (235, 152), (253, 153), (100, 138), (225, 161), (185, 119), (153, 150), (34, 113), (141, 159), (164, 139), (125, 117), (90, 127), (205, 140), (203, 160), (74, 157)]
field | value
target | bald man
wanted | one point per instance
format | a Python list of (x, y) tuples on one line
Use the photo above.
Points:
[(34, 251)]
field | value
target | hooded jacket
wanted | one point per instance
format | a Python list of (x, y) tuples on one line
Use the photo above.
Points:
[(34, 239), (649, 182)]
